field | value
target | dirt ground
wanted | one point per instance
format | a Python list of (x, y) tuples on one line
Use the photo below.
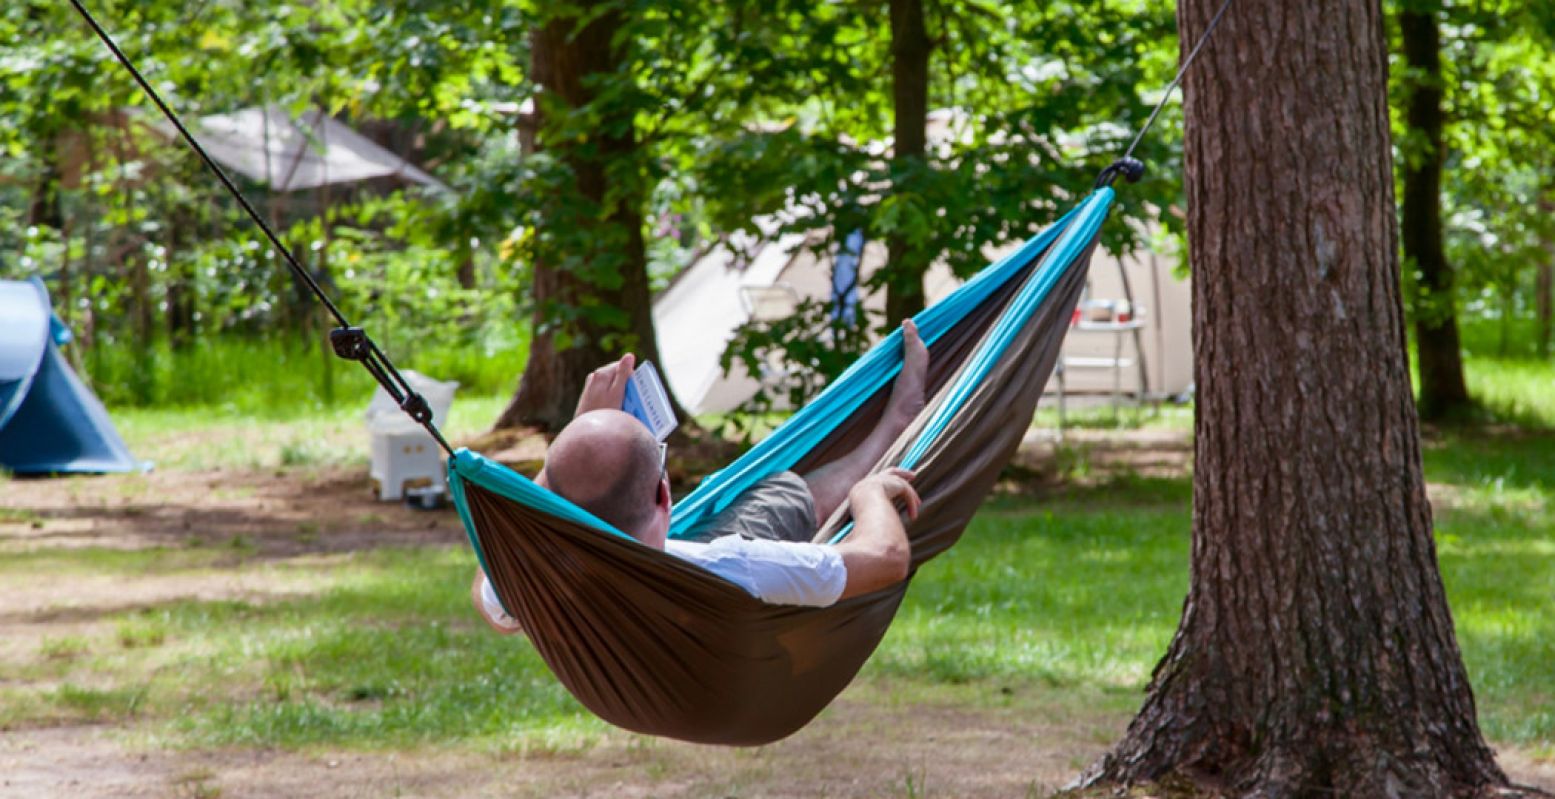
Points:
[(865, 745)]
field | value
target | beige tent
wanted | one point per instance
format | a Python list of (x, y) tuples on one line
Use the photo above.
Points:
[(733, 284)]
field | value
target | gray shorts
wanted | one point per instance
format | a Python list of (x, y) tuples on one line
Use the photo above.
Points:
[(776, 508)]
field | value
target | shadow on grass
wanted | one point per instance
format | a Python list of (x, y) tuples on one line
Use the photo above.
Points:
[(1493, 457), (1059, 595)]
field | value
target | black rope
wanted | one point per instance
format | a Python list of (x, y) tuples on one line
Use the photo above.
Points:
[(1131, 168), (349, 342)]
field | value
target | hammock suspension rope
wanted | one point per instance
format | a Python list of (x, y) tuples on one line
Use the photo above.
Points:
[(348, 341), (1131, 168)]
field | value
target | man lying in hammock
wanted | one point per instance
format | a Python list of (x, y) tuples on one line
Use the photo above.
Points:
[(606, 462)]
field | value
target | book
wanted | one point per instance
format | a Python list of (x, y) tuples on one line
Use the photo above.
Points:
[(647, 400)]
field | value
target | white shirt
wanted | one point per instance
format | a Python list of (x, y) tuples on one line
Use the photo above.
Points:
[(778, 573), (775, 572)]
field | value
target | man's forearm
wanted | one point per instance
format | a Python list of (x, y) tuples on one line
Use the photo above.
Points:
[(876, 553)]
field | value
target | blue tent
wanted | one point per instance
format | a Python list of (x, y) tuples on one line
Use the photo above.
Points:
[(49, 420)]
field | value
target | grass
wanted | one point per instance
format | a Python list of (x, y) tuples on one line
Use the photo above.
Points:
[(1495, 527), (1062, 606), (1504, 372), (225, 437), (275, 378), (1087, 414), (1072, 601), (1516, 390)]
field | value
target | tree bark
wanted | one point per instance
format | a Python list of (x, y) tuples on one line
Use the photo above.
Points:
[(568, 62), (1443, 393), (1316, 654), (910, 49)]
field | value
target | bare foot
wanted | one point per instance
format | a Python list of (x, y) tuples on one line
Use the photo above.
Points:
[(907, 397)]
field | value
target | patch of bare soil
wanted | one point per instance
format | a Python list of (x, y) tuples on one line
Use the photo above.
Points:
[(856, 749), (279, 513), (238, 520), (1047, 464)]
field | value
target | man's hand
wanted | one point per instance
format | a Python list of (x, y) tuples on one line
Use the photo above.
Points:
[(890, 485), (605, 387)]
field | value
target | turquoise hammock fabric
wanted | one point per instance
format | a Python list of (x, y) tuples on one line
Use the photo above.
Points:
[(656, 645), (1073, 233)]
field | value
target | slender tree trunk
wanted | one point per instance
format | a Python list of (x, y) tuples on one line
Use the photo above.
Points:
[(48, 210), (910, 49), (180, 291), (1316, 655), (1442, 390), (1545, 289), (567, 61), (1508, 289)]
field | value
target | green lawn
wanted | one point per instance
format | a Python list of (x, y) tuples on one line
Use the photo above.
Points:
[(1069, 599), (1073, 598), (223, 437)]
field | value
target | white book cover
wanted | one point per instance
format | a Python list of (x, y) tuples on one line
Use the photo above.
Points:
[(647, 400)]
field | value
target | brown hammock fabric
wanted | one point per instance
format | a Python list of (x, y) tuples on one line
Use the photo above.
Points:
[(656, 645)]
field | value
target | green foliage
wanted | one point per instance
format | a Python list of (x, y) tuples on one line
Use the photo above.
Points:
[(1498, 64), (1033, 102), (146, 259)]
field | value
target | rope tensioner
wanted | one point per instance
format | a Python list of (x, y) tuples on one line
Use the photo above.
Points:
[(1131, 168)]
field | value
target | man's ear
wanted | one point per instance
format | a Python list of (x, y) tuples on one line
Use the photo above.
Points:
[(662, 495)]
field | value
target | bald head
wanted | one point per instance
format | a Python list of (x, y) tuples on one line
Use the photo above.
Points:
[(607, 463)]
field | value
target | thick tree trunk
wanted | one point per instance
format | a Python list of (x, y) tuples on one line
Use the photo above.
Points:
[(1316, 654), (910, 48), (566, 61), (1439, 354)]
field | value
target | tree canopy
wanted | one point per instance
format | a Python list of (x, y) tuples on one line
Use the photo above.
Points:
[(737, 110)]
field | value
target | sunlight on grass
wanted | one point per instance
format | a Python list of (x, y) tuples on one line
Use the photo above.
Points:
[(222, 438), (1497, 549), (278, 376), (1517, 390), (388, 655), (1162, 416)]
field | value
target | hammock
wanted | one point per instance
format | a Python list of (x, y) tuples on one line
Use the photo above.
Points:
[(653, 644), (656, 645)]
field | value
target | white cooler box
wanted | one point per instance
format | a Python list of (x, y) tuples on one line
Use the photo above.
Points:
[(403, 455)]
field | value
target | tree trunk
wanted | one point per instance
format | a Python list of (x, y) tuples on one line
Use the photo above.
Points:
[(48, 210), (910, 48), (180, 300), (1545, 289), (1439, 354), (568, 62), (1316, 654)]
